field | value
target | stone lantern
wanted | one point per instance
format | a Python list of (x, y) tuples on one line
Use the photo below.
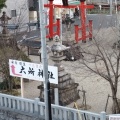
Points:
[(6, 38), (65, 92), (57, 50), (4, 21)]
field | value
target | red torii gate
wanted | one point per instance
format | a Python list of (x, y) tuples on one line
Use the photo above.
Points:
[(82, 7)]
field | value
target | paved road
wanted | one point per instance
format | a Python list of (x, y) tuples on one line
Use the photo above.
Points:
[(102, 21), (99, 21)]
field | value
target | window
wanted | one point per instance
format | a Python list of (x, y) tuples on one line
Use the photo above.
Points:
[(13, 13)]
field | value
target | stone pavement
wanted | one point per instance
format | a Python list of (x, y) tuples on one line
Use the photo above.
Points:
[(30, 87), (96, 88), (31, 91)]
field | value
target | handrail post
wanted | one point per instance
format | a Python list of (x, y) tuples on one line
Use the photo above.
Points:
[(36, 105), (103, 115)]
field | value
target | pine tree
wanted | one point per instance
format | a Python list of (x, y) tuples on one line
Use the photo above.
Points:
[(2, 4)]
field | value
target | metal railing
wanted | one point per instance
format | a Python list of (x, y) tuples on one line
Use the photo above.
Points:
[(37, 108)]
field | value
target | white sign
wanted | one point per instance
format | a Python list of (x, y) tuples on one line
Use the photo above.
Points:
[(114, 117), (32, 71)]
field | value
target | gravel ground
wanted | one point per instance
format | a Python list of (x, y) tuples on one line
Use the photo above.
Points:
[(96, 88)]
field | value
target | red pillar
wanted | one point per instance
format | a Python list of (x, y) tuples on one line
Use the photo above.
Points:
[(58, 27), (83, 21), (90, 29), (76, 33), (50, 19)]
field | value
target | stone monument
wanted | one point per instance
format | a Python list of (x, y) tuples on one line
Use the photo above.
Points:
[(67, 88)]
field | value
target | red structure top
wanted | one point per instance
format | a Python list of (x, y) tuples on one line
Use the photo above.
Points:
[(82, 8)]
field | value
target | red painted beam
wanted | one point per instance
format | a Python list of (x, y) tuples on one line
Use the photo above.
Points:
[(70, 6), (46, 5), (61, 6)]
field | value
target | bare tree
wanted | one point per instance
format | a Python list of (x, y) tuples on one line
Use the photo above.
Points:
[(9, 50), (19, 15), (101, 59)]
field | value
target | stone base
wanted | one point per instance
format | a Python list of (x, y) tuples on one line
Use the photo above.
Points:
[(67, 94)]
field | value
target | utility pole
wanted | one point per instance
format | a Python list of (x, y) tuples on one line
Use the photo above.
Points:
[(61, 26), (117, 15), (46, 16), (42, 16)]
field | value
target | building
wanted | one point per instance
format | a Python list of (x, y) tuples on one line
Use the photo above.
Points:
[(105, 6), (17, 10), (25, 11), (102, 1)]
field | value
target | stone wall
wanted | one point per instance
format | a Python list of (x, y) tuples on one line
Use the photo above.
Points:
[(8, 115)]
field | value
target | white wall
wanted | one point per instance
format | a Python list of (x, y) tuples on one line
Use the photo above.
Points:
[(21, 7), (57, 2), (68, 11)]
